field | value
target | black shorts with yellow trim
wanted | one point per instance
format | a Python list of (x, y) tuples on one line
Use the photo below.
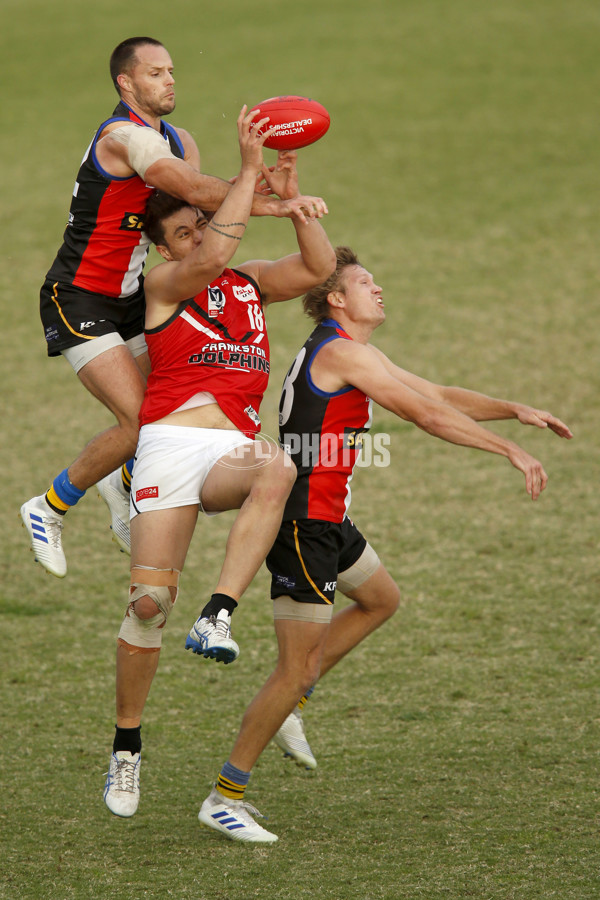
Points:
[(307, 555), (71, 315)]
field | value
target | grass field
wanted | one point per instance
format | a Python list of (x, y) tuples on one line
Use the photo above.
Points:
[(458, 747)]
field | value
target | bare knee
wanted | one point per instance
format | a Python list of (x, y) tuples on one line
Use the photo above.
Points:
[(276, 478), (379, 602), (301, 674), (311, 676), (146, 608), (390, 601), (129, 430)]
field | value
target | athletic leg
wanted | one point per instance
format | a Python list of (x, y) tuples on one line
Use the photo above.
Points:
[(115, 488), (118, 381), (257, 482), (160, 542), (257, 479), (300, 648), (298, 665), (375, 601)]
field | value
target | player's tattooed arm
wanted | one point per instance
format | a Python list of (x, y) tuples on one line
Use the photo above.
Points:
[(217, 226)]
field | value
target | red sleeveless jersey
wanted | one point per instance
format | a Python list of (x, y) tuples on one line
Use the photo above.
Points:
[(322, 433), (104, 247), (216, 342)]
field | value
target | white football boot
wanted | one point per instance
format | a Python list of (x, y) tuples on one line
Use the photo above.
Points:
[(122, 788), (233, 819), (117, 499), (292, 740), (211, 637), (44, 527)]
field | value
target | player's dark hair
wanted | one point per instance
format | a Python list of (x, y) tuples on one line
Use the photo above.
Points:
[(315, 301), (158, 208), (123, 57)]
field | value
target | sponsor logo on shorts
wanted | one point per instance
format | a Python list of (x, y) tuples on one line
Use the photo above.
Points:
[(51, 333), (146, 493), (329, 586), (285, 581)]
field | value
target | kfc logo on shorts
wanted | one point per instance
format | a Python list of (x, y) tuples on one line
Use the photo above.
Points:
[(146, 493), (245, 293)]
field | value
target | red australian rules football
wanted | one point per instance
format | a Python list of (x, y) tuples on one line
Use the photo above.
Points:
[(299, 121)]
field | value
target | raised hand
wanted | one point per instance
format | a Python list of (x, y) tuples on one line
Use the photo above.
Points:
[(527, 415), (535, 476), (252, 139), (304, 208), (282, 178)]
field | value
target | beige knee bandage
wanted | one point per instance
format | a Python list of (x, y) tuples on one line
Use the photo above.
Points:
[(365, 566), (161, 586), (287, 608)]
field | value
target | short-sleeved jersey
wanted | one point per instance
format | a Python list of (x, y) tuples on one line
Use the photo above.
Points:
[(216, 342), (104, 247), (322, 432)]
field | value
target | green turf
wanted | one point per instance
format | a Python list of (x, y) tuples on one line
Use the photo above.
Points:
[(458, 747)]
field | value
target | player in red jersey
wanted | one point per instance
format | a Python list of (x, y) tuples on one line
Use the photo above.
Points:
[(208, 345), (92, 302), (324, 410)]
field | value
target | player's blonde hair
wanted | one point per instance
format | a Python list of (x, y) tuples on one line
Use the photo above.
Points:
[(315, 301)]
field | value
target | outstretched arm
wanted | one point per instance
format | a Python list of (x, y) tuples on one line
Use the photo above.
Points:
[(475, 405), (348, 362), (129, 148), (171, 282), (295, 274)]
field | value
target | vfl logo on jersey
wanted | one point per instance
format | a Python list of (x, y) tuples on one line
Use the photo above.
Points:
[(216, 301), (245, 293), (132, 222)]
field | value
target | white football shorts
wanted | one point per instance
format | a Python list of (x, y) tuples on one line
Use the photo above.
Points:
[(172, 463)]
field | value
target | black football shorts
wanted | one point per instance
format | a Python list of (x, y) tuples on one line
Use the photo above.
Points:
[(308, 554), (71, 315)]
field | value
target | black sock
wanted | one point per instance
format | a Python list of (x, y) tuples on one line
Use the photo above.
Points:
[(128, 739), (216, 603)]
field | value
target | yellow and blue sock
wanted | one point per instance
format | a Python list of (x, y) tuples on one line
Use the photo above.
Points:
[(62, 494), (304, 698), (232, 782), (126, 473)]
